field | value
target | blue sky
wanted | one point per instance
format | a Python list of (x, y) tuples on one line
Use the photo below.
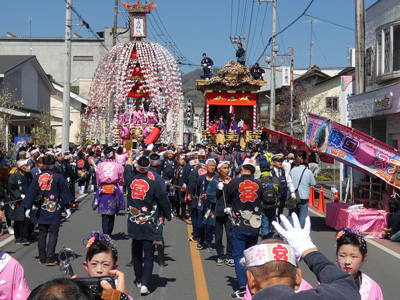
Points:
[(205, 26)]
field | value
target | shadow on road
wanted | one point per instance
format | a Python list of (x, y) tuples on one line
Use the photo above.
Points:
[(232, 281), (120, 236), (159, 282), (318, 224)]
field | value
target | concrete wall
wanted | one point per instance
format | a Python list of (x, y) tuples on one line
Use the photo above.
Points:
[(50, 53), (320, 92), (26, 84)]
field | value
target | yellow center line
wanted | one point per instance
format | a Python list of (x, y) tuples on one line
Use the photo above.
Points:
[(198, 272)]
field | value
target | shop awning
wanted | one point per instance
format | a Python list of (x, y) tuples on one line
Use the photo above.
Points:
[(353, 148)]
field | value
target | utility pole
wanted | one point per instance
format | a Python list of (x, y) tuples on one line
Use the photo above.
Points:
[(360, 46), (273, 100), (311, 43), (67, 77), (115, 23), (291, 94), (275, 49)]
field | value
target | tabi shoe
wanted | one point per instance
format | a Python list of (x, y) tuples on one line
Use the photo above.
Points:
[(10, 230), (230, 262), (220, 262), (129, 264), (144, 290), (52, 263), (209, 249), (239, 294), (193, 239), (18, 241), (200, 246), (25, 242), (137, 283)]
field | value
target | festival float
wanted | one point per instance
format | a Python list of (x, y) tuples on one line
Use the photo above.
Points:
[(232, 92), (137, 89)]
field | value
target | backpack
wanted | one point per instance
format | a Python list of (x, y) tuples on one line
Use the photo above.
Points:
[(270, 198)]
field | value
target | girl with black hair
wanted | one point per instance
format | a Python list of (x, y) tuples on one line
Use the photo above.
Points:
[(101, 259), (351, 253)]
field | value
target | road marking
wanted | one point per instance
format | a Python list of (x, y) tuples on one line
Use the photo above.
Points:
[(316, 213), (6, 241), (387, 250), (198, 272)]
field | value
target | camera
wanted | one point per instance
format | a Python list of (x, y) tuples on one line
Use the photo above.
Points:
[(93, 284)]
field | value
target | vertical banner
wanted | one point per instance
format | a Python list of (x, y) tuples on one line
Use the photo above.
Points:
[(285, 76), (347, 84)]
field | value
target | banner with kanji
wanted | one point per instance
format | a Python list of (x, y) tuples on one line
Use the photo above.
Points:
[(353, 148)]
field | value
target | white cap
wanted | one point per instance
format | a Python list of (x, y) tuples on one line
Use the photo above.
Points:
[(249, 161)]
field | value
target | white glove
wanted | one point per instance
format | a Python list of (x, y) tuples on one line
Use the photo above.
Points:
[(227, 210), (28, 213), (22, 196), (1, 204), (298, 238), (68, 213), (184, 186), (293, 195), (220, 186)]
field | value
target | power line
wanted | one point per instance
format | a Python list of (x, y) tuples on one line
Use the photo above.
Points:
[(330, 22), (254, 31), (294, 21), (315, 38), (84, 23), (251, 21)]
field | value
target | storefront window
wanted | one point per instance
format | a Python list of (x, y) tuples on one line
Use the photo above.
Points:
[(388, 51)]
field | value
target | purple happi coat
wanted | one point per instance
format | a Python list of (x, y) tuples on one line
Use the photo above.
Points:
[(108, 204)]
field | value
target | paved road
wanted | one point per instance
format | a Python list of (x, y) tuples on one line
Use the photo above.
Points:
[(191, 274)]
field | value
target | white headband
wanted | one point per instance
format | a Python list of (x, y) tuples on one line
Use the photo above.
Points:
[(261, 254), (210, 160), (224, 162), (193, 162), (21, 163), (34, 151)]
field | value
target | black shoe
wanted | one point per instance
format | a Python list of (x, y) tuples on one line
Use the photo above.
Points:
[(239, 294), (129, 264), (25, 242)]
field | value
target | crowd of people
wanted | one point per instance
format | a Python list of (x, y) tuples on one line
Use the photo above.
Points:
[(217, 189)]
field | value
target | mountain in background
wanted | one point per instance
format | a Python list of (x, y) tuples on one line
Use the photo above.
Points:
[(190, 91)]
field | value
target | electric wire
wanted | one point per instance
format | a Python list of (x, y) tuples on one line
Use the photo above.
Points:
[(284, 29), (254, 32), (320, 49), (330, 22), (87, 25), (250, 25)]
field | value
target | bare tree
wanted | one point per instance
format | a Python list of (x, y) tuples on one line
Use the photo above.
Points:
[(8, 105), (305, 101)]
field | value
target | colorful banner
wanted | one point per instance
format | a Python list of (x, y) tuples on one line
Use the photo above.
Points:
[(353, 148), (18, 143)]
